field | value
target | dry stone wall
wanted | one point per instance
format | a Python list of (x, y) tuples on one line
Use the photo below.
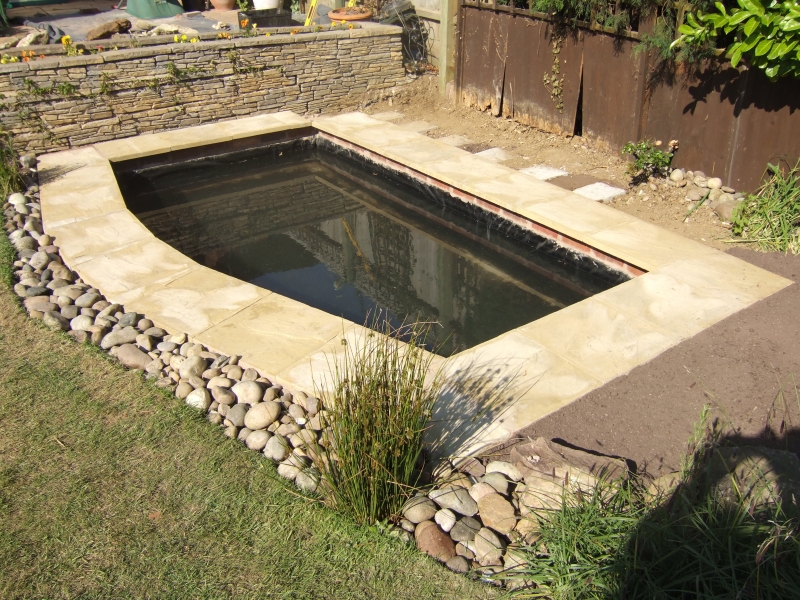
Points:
[(60, 102)]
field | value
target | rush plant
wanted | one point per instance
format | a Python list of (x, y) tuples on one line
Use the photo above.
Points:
[(382, 399)]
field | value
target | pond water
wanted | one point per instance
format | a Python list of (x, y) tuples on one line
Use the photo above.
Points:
[(347, 237)]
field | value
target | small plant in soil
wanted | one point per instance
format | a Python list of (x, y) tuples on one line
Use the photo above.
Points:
[(770, 218), (10, 178), (383, 396), (648, 159)]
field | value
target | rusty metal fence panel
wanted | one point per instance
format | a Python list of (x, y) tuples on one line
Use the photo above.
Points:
[(730, 123)]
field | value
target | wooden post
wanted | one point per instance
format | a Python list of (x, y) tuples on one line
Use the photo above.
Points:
[(448, 11)]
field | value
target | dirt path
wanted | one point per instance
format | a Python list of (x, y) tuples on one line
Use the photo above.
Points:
[(739, 365)]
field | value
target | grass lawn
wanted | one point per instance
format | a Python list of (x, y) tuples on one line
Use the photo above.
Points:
[(112, 488)]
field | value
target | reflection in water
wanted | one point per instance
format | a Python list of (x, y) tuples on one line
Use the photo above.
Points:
[(305, 229)]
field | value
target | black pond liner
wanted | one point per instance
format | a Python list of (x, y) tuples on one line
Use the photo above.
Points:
[(330, 227)]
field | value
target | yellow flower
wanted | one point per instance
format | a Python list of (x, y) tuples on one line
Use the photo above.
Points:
[(244, 23), (176, 38), (267, 34), (350, 26), (194, 40), (183, 38), (66, 40), (344, 22)]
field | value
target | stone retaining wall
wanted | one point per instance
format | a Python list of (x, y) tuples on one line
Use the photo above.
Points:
[(59, 101)]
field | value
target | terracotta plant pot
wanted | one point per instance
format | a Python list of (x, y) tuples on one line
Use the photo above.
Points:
[(350, 14), (223, 4)]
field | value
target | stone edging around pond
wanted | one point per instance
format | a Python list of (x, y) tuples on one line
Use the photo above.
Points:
[(472, 519)]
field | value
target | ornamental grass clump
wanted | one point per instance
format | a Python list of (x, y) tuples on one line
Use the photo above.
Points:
[(10, 178), (770, 218), (382, 398)]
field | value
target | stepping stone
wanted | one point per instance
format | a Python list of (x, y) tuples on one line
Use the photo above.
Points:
[(387, 116), (543, 172), (495, 155), (455, 140), (599, 191), (419, 126)]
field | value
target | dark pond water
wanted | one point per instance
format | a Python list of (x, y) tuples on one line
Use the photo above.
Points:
[(314, 225)]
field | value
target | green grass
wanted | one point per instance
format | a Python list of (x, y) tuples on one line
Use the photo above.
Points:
[(690, 543), (112, 488), (770, 218)]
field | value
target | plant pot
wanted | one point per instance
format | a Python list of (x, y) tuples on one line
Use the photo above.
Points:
[(267, 4), (223, 4), (350, 14), (194, 5), (274, 17)]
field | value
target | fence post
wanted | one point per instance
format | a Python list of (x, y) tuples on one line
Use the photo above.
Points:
[(448, 11)]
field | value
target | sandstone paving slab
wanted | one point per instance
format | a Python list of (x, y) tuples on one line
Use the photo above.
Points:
[(81, 240), (494, 388), (148, 144), (63, 204), (600, 339), (576, 216), (136, 270), (262, 124), (273, 333), (517, 191), (54, 165), (191, 137), (197, 301)]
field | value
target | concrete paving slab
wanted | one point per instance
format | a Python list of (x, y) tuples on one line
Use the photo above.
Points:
[(419, 126), (455, 140), (599, 191), (543, 172), (495, 155), (391, 115)]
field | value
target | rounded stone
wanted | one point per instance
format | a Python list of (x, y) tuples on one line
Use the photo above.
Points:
[(54, 320), (86, 300), (199, 398), (126, 335), (419, 509), (488, 547), (296, 412), (307, 481), (506, 468), (244, 433), (262, 415), (257, 440), (481, 489), (676, 175), (277, 448), (459, 564), (133, 358), (71, 313), (221, 382), (497, 513), (497, 480), (465, 530), (79, 336), (144, 324), (714, 183), (445, 519), (434, 542), (248, 392), (223, 395), (167, 346), (80, 323), (456, 499), (193, 366), (288, 471), (183, 390), (249, 374), (237, 414)]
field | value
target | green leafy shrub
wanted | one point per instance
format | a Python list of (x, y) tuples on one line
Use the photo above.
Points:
[(648, 159), (765, 37), (379, 408), (770, 218)]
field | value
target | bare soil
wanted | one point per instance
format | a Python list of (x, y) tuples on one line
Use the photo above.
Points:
[(665, 206), (746, 366)]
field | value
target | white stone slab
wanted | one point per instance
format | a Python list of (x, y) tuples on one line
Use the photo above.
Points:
[(599, 191), (391, 115), (419, 126), (455, 140), (495, 155), (544, 172)]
